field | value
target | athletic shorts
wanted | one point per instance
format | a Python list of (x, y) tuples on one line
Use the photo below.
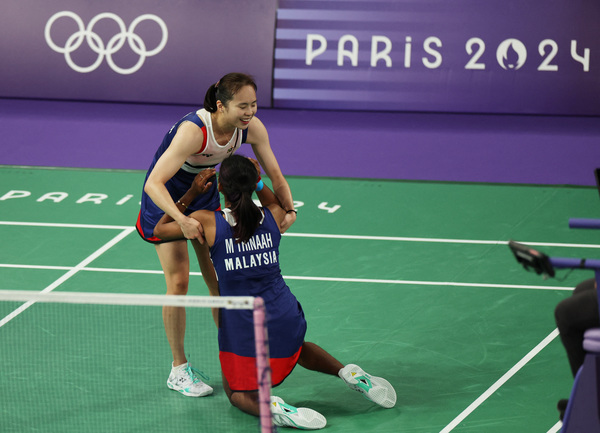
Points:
[(177, 186)]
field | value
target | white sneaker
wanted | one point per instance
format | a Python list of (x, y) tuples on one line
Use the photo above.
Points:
[(376, 389), (183, 379), (303, 418)]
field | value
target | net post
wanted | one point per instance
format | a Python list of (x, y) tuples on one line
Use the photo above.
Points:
[(263, 367)]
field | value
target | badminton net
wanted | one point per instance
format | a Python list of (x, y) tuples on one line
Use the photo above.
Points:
[(99, 362)]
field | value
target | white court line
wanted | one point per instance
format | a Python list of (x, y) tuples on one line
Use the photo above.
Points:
[(438, 240), (556, 427), (64, 225), (305, 278), (426, 283), (331, 236), (70, 273), (47, 267), (492, 389)]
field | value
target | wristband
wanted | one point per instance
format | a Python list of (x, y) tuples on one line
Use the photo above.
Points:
[(292, 210), (259, 185)]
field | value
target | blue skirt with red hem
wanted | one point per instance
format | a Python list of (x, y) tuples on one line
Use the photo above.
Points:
[(286, 331)]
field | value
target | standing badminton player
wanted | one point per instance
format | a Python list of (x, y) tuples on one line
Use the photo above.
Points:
[(244, 247), (199, 140)]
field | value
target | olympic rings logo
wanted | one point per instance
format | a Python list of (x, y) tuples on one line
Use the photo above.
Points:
[(115, 43)]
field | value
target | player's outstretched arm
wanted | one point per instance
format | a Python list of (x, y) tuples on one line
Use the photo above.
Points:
[(259, 139), (167, 229), (268, 198)]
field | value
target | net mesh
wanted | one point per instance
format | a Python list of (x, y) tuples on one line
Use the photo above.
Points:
[(99, 362)]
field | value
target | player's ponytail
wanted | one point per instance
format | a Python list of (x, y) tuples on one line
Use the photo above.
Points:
[(238, 178), (210, 99)]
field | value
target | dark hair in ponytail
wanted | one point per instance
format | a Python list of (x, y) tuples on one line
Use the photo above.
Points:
[(225, 89), (238, 177)]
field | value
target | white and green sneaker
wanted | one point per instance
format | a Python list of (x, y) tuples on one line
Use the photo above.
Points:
[(184, 379), (303, 418), (373, 388)]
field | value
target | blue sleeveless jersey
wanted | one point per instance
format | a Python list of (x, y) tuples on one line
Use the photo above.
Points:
[(178, 185), (252, 269)]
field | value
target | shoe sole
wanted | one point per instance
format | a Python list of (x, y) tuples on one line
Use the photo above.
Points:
[(382, 393), (379, 391), (301, 418), (307, 419), (187, 393)]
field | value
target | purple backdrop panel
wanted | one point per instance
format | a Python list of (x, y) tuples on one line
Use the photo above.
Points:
[(137, 51), (493, 56), (417, 146)]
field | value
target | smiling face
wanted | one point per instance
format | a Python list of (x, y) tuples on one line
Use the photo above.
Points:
[(238, 112)]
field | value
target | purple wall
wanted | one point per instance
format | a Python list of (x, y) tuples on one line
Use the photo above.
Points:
[(426, 146)]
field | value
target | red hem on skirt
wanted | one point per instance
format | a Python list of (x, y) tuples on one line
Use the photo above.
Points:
[(240, 371)]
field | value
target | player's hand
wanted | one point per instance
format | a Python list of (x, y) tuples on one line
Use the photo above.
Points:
[(288, 220), (192, 229), (203, 181), (256, 164)]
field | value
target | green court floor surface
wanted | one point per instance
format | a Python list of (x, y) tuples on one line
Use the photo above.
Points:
[(413, 281)]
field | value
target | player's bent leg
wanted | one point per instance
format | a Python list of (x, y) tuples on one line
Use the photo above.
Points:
[(283, 414), (314, 357), (244, 401)]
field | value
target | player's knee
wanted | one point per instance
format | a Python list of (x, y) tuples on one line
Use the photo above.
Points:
[(177, 286), (245, 401), (234, 399), (238, 400)]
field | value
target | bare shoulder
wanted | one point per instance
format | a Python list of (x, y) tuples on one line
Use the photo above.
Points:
[(190, 130), (257, 132), (256, 121), (189, 138), (206, 217)]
